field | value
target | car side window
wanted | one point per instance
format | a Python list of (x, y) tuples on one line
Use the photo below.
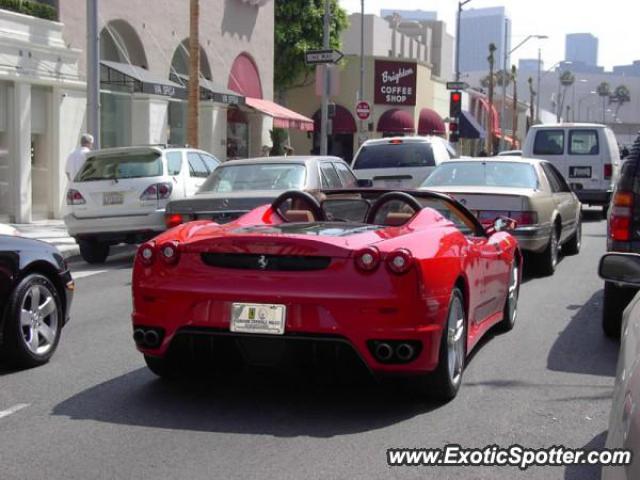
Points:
[(562, 183), (197, 168), (584, 142), (174, 163), (551, 177), (330, 178), (210, 162), (549, 142), (347, 177)]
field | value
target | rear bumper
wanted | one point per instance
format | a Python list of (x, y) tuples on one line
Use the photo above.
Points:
[(534, 238), (117, 228), (594, 197), (624, 247)]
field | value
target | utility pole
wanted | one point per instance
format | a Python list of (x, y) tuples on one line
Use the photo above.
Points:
[(93, 72), (505, 76), (324, 121), (538, 85), (460, 5), (361, 91), (194, 74)]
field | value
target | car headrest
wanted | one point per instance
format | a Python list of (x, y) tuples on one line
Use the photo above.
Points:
[(299, 216), (395, 219)]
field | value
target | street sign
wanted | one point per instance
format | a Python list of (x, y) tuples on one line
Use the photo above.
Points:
[(363, 110), (457, 85), (319, 57)]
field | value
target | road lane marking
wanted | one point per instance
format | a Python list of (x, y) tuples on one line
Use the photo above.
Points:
[(12, 410)]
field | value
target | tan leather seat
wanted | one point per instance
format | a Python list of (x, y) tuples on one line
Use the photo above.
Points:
[(395, 219), (299, 216)]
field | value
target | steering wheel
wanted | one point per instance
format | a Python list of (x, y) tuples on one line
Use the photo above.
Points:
[(309, 201), (390, 197)]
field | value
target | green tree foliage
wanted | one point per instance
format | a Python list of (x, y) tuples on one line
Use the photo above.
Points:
[(299, 27), (35, 9), (604, 89)]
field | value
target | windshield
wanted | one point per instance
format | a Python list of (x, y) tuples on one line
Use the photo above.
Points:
[(483, 174), (120, 166), (395, 155), (256, 176)]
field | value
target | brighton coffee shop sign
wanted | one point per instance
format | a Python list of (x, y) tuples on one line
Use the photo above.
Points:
[(395, 83)]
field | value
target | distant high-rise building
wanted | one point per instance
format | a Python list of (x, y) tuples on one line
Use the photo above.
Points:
[(479, 28), (530, 65), (419, 15), (581, 47)]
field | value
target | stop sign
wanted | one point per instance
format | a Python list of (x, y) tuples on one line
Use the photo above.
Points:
[(363, 110)]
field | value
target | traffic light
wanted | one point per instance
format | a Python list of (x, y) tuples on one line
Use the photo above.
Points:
[(455, 105), (454, 132)]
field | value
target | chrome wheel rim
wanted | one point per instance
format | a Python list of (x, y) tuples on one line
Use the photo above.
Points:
[(455, 340), (39, 320), (513, 293)]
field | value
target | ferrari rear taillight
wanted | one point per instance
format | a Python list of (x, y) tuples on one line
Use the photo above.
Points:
[(147, 253), (620, 216), (74, 197), (169, 253), (173, 220), (367, 259), (608, 171), (400, 261), (157, 191)]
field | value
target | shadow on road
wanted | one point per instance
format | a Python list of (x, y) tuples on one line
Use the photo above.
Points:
[(582, 346), (592, 215), (243, 404), (587, 472)]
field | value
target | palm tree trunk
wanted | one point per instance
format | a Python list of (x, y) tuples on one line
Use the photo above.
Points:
[(491, 60), (515, 111), (194, 74)]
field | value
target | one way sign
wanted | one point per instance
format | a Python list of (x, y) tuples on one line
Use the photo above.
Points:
[(319, 57)]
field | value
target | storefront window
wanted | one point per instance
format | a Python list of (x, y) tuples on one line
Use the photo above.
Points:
[(115, 120), (237, 134), (177, 123)]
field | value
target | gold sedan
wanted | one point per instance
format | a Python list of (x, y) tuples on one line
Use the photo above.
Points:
[(532, 192)]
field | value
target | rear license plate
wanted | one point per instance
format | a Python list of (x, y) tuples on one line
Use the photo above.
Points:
[(112, 198), (258, 318), (580, 172)]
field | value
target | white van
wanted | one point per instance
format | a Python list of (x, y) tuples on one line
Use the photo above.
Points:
[(586, 154)]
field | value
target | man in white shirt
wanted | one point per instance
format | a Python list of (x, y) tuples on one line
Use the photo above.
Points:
[(76, 159)]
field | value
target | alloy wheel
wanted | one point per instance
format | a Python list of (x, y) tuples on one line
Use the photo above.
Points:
[(39, 319), (455, 340)]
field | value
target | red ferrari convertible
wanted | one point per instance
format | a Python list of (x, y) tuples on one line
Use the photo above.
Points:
[(402, 283)]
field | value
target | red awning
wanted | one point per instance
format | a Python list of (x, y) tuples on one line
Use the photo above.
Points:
[(430, 123), (282, 117), (396, 121), (343, 122), (244, 77)]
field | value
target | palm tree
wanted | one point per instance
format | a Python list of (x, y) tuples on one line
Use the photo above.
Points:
[(194, 74), (604, 90), (566, 80), (621, 95), (492, 60)]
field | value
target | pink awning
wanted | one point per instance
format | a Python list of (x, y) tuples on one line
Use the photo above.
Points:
[(282, 117)]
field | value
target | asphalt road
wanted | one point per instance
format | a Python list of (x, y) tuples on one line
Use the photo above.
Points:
[(95, 412)]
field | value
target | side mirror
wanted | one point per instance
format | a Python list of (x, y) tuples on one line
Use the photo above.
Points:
[(365, 183), (622, 268), (502, 224)]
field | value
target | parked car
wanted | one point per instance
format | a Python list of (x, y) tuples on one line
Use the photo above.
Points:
[(238, 186), (624, 420), (400, 162), (36, 289), (622, 236), (586, 154), (120, 194), (532, 192), (510, 153), (392, 286)]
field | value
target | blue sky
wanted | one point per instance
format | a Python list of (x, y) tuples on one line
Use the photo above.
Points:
[(614, 22)]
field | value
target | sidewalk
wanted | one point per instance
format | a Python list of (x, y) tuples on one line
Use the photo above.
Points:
[(53, 232)]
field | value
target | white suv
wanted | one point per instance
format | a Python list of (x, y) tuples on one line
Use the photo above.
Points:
[(120, 194)]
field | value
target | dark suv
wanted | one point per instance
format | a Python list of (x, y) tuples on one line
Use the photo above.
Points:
[(623, 235)]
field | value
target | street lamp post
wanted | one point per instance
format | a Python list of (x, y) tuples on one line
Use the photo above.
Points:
[(507, 54), (460, 5)]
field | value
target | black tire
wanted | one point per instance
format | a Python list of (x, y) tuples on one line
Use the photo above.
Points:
[(442, 384), (548, 260), (510, 312), (572, 247), (615, 301), (162, 367), (93, 252), (16, 348)]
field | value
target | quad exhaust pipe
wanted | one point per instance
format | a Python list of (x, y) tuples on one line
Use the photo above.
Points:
[(384, 352), (147, 338), (405, 352), (395, 351)]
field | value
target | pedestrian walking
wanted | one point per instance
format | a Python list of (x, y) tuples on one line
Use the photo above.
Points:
[(76, 159)]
